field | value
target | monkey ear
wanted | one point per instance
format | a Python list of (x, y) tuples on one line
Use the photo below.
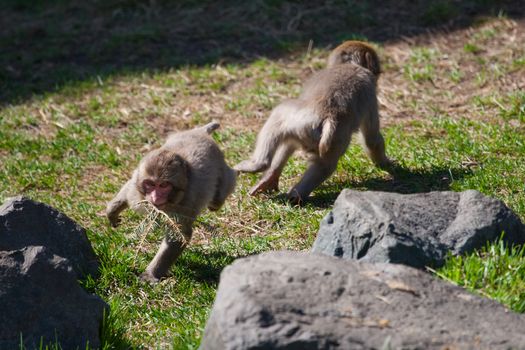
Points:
[(177, 162), (372, 64), (179, 170)]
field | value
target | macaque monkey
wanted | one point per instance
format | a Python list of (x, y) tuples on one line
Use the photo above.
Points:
[(335, 102), (184, 176)]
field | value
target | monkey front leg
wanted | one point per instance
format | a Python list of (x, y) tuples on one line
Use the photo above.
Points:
[(374, 142), (268, 182), (118, 204), (169, 251), (167, 254), (375, 147), (224, 188)]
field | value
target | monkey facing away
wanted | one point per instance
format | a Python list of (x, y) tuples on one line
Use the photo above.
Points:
[(335, 102), (184, 176)]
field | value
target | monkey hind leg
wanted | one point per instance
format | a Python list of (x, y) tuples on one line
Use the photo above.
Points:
[(268, 183), (270, 179), (251, 166), (273, 134), (225, 187), (261, 158)]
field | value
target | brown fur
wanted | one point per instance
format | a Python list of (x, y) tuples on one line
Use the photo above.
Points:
[(195, 167), (356, 52), (335, 102)]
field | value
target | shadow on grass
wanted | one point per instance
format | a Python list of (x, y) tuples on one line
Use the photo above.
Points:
[(49, 43), (111, 331), (403, 181), (205, 266)]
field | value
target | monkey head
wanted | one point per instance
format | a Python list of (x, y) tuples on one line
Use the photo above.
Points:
[(357, 52), (162, 178)]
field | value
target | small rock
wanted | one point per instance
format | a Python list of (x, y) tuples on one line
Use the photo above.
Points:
[(24, 223), (292, 300), (414, 229)]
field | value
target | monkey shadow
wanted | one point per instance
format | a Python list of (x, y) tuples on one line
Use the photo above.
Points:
[(204, 266), (402, 180)]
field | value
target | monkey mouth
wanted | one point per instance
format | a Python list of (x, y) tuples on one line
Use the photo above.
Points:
[(161, 206)]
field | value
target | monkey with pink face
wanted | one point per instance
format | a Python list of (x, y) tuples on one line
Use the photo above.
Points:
[(183, 177)]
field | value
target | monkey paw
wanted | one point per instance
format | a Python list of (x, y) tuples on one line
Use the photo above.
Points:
[(389, 165), (265, 185), (148, 277), (114, 221), (295, 198)]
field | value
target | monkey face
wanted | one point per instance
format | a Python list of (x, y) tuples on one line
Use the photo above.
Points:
[(163, 177), (157, 192)]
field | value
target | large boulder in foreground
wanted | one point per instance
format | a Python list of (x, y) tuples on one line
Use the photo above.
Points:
[(414, 229), (292, 300), (41, 301), (43, 253), (24, 222)]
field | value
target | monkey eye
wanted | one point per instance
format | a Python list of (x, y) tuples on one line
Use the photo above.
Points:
[(148, 185), (164, 184)]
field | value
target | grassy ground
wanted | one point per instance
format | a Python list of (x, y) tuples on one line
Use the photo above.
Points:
[(83, 98)]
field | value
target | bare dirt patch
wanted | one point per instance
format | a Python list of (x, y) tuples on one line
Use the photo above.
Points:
[(466, 66)]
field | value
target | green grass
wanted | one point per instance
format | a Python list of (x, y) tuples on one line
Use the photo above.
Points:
[(438, 154), (421, 66), (496, 272), (471, 48), (74, 144)]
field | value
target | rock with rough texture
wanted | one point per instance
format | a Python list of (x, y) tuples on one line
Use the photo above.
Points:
[(24, 222), (41, 299), (292, 300), (414, 229)]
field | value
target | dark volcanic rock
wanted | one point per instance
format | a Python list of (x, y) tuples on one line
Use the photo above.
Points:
[(24, 222), (291, 300), (414, 229), (43, 253), (41, 298)]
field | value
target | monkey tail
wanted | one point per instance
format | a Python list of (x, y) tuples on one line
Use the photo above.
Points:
[(327, 134), (211, 127)]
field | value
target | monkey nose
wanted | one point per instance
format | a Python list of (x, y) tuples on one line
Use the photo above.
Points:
[(157, 200)]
